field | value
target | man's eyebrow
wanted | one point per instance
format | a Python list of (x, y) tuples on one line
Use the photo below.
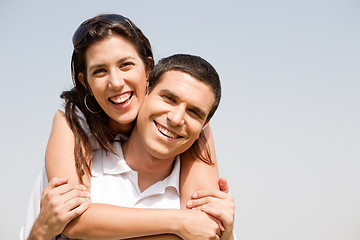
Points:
[(103, 65), (170, 93), (199, 111)]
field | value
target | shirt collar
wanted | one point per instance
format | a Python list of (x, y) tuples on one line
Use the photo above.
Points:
[(174, 178), (171, 181), (108, 163), (105, 162)]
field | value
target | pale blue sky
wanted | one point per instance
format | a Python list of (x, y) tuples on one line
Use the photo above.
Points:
[(287, 131)]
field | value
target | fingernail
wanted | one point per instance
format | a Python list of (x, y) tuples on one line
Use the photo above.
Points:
[(189, 203), (195, 195)]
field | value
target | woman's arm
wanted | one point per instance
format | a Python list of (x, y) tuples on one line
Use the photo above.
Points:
[(60, 161), (108, 224), (197, 175), (60, 203), (59, 156)]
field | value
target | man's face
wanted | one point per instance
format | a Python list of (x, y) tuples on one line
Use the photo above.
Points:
[(174, 113)]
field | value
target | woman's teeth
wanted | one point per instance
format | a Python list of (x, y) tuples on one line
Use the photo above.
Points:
[(120, 99)]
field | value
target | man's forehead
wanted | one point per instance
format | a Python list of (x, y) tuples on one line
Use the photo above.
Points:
[(177, 75), (176, 80)]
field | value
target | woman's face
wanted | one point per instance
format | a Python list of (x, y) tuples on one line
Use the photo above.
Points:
[(117, 79)]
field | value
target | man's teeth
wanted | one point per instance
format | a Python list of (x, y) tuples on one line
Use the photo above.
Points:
[(120, 99), (166, 132)]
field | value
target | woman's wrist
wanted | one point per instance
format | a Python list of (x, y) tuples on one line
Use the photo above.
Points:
[(176, 223)]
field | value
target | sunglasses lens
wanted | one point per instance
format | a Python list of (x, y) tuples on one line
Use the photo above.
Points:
[(113, 18), (81, 32)]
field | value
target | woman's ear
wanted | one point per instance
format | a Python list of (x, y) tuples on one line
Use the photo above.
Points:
[(82, 80), (149, 66)]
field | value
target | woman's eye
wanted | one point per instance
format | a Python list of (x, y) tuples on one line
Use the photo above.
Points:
[(126, 66), (99, 71)]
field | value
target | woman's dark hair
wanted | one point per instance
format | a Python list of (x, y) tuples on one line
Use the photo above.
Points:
[(89, 32), (203, 71)]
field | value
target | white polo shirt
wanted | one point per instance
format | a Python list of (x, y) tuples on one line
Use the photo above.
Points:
[(114, 182)]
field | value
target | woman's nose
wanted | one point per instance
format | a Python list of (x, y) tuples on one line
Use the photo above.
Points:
[(116, 80)]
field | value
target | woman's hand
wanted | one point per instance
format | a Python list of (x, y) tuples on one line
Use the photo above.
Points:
[(60, 203), (218, 204), (197, 225)]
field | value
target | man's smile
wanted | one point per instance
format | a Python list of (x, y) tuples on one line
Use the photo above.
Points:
[(166, 132)]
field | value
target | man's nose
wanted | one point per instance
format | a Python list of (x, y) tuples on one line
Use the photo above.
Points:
[(176, 115)]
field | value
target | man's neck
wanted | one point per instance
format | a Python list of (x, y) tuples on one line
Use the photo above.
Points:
[(150, 169)]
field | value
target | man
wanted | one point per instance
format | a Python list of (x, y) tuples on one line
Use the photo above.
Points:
[(184, 92)]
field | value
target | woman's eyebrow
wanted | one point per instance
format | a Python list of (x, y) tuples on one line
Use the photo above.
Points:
[(96, 66), (104, 65), (125, 59)]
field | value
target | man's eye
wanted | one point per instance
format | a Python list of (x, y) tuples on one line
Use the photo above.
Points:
[(195, 113), (169, 99)]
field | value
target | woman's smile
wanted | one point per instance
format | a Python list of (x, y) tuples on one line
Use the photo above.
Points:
[(121, 101)]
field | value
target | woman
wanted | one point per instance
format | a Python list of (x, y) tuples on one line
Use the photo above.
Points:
[(109, 88)]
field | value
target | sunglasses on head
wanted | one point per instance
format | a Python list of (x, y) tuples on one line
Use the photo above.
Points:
[(108, 20)]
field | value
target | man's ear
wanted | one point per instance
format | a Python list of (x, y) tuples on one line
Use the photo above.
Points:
[(205, 124)]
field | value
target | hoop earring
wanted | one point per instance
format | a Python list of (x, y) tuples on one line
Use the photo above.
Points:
[(88, 107), (147, 87)]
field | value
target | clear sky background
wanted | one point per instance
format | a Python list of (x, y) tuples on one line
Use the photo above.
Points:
[(287, 132)]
